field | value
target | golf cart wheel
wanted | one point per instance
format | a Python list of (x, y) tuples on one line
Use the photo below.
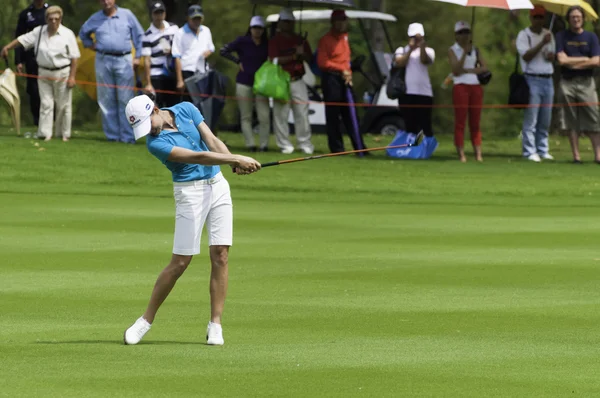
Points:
[(389, 125)]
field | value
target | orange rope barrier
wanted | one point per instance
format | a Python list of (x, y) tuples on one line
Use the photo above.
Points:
[(360, 105)]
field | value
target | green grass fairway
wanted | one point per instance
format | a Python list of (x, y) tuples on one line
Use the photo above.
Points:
[(348, 277)]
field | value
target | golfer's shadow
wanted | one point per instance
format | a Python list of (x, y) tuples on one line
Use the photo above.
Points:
[(119, 342)]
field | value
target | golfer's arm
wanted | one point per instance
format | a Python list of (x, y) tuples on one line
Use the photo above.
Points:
[(212, 142), (183, 155)]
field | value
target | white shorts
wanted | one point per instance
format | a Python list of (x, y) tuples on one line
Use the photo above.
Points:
[(199, 202)]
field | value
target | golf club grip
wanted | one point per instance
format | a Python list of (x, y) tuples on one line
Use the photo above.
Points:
[(269, 164)]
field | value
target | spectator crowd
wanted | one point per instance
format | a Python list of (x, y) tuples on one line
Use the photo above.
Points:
[(172, 54), (575, 51)]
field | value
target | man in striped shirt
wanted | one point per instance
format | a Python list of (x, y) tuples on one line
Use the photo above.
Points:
[(156, 50)]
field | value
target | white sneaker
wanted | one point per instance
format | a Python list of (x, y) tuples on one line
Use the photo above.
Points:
[(214, 334), (287, 150), (308, 151), (134, 334), (547, 156), (534, 158)]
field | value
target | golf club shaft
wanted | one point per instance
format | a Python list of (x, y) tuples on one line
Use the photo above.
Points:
[(329, 155)]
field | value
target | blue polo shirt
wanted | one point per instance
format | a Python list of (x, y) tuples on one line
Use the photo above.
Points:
[(187, 118), (113, 34)]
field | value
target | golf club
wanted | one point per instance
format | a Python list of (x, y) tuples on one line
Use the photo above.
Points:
[(418, 140)]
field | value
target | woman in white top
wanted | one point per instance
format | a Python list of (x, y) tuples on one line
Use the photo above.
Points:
[(56, 52), (467, 95), (416, 58)]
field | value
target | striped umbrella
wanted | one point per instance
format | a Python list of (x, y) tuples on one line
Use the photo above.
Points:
[(501, 4)]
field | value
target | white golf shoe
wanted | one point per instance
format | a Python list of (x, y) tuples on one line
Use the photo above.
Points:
[(214, 334), (135, 332), (534, 158), (547, 156), (308, 150)]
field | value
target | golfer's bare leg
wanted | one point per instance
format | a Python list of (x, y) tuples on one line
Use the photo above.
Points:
[(219, 276), (574, 140), (595, 138), (164, 284)]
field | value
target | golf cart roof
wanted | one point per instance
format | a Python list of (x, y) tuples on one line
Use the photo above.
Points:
[(325, 15)]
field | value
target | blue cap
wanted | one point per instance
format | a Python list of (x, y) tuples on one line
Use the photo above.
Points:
[(195, 11)]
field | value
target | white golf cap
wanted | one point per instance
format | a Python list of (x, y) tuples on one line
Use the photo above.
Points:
[(415, 29), (257, 20), (286, 14), (461, 25), (138, 111)]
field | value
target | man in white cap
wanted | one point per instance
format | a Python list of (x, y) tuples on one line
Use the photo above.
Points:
[(180, 139), (416, 57), (291, 50)]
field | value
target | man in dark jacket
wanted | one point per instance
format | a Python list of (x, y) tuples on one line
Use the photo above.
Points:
[(31, 17)]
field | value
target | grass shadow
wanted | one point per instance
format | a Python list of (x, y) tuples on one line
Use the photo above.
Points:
[(119, 342)]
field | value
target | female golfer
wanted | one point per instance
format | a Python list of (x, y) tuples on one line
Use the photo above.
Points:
[(181, 140)]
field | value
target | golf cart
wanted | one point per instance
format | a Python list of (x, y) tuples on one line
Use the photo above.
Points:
[(383, 117)]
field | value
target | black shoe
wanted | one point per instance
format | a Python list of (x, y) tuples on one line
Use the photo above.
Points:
[(251, 149), (263, 149), (577, 161)]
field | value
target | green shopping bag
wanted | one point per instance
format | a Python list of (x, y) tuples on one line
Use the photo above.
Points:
[(272, 81)]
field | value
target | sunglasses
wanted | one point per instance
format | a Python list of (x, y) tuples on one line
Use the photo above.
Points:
[(539, 17), (463, 32), (256, 27)]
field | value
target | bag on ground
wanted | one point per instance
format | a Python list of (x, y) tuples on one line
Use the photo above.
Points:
[(423, 151)]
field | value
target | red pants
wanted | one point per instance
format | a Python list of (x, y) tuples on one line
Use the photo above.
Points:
[(467, 99)]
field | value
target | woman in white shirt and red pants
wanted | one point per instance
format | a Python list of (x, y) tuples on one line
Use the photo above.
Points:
[(467, 95)]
